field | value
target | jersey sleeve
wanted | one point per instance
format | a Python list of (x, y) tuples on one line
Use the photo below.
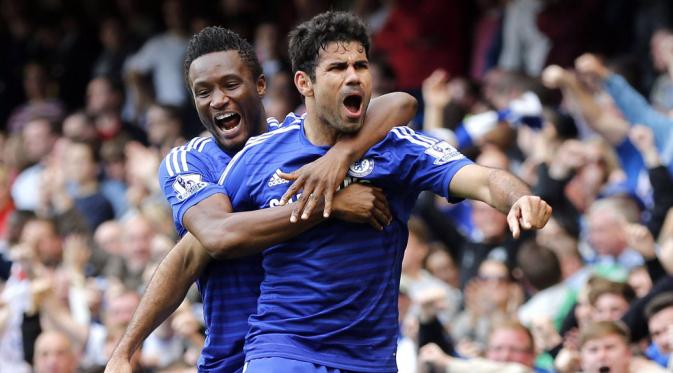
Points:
[(186, 179), (426, 163)]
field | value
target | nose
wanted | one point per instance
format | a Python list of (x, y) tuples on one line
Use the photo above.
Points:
[(352, 76), (219, 99)]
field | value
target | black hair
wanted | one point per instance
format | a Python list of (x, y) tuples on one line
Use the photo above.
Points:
[(540, 265), (219, 39), (307, 39), (658, 304)]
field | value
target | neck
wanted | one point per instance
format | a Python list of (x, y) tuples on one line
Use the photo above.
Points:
[(318, 131)]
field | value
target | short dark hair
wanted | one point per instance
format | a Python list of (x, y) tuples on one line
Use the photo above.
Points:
[(621, 289), (540, 265), (658, 304), (307, 39), (219, 39)]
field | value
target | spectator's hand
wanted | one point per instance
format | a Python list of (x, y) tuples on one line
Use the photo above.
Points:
[(469, 349), (528, 212), (545, 335), (554, 76), (567, 361), (318, 178), (432, 301), (590, 65), (433, 354), (571, 156), (642, 137), (436, 90), (638, 237), (358, 203)]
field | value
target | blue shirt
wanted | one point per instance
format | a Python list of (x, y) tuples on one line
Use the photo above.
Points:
[(229, 288), (329, 296)]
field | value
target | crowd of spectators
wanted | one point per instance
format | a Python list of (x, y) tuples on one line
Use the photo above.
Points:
[(573, 96)]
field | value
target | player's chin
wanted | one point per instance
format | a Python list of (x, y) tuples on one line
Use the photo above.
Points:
[(350, 125)]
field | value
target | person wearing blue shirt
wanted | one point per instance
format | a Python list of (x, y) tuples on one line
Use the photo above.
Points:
[(328, 300), (227, 86)]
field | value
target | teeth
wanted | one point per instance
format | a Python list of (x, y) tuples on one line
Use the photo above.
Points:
[(224, 116)]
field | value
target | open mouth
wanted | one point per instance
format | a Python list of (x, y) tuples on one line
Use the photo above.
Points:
[(227, 121), (353, 105), (604, 369)]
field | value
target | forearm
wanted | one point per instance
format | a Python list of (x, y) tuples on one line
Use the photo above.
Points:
[(610, 127), (636, 109), (229, 235), (433, 117), (384, 113), (164, 293), (504, 189)]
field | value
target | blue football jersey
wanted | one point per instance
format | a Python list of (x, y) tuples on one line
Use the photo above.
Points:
[(329, 296), (229, 288)]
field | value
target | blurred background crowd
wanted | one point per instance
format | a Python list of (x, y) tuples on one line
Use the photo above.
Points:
[(573, 96)]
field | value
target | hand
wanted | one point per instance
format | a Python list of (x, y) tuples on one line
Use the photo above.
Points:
[(545, 335), (567, 361), (118, 365), (638, 237), (642, 138), (554, 76), (528, 212), (589, 64), (319, 177), (358, 203), (431, 353), (436, 90)]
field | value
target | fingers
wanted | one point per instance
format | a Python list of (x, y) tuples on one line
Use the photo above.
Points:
[(290, 176), (294, 188), (299, 207), (329, 196), (313, 197), (513, 221), (526, 212), (381, 204)]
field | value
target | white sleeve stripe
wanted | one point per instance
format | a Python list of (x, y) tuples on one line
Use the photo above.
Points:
[(203, 144), (176, 166), (191, 143), (200, 141), (409, 132), (183, 158), (168, 166), (258, 140), (409, 138)]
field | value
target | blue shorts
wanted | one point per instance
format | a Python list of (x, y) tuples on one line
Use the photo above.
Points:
[(283, 365)]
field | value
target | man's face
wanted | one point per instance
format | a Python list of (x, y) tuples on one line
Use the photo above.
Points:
[(658, 325), (511, 345), (610, 307), (227, 97), (605, 233), (53, 353), (606, 352), (342, 86)]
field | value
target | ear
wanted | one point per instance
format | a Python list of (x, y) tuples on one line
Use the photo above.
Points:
[(261, 85), (303, 83)]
